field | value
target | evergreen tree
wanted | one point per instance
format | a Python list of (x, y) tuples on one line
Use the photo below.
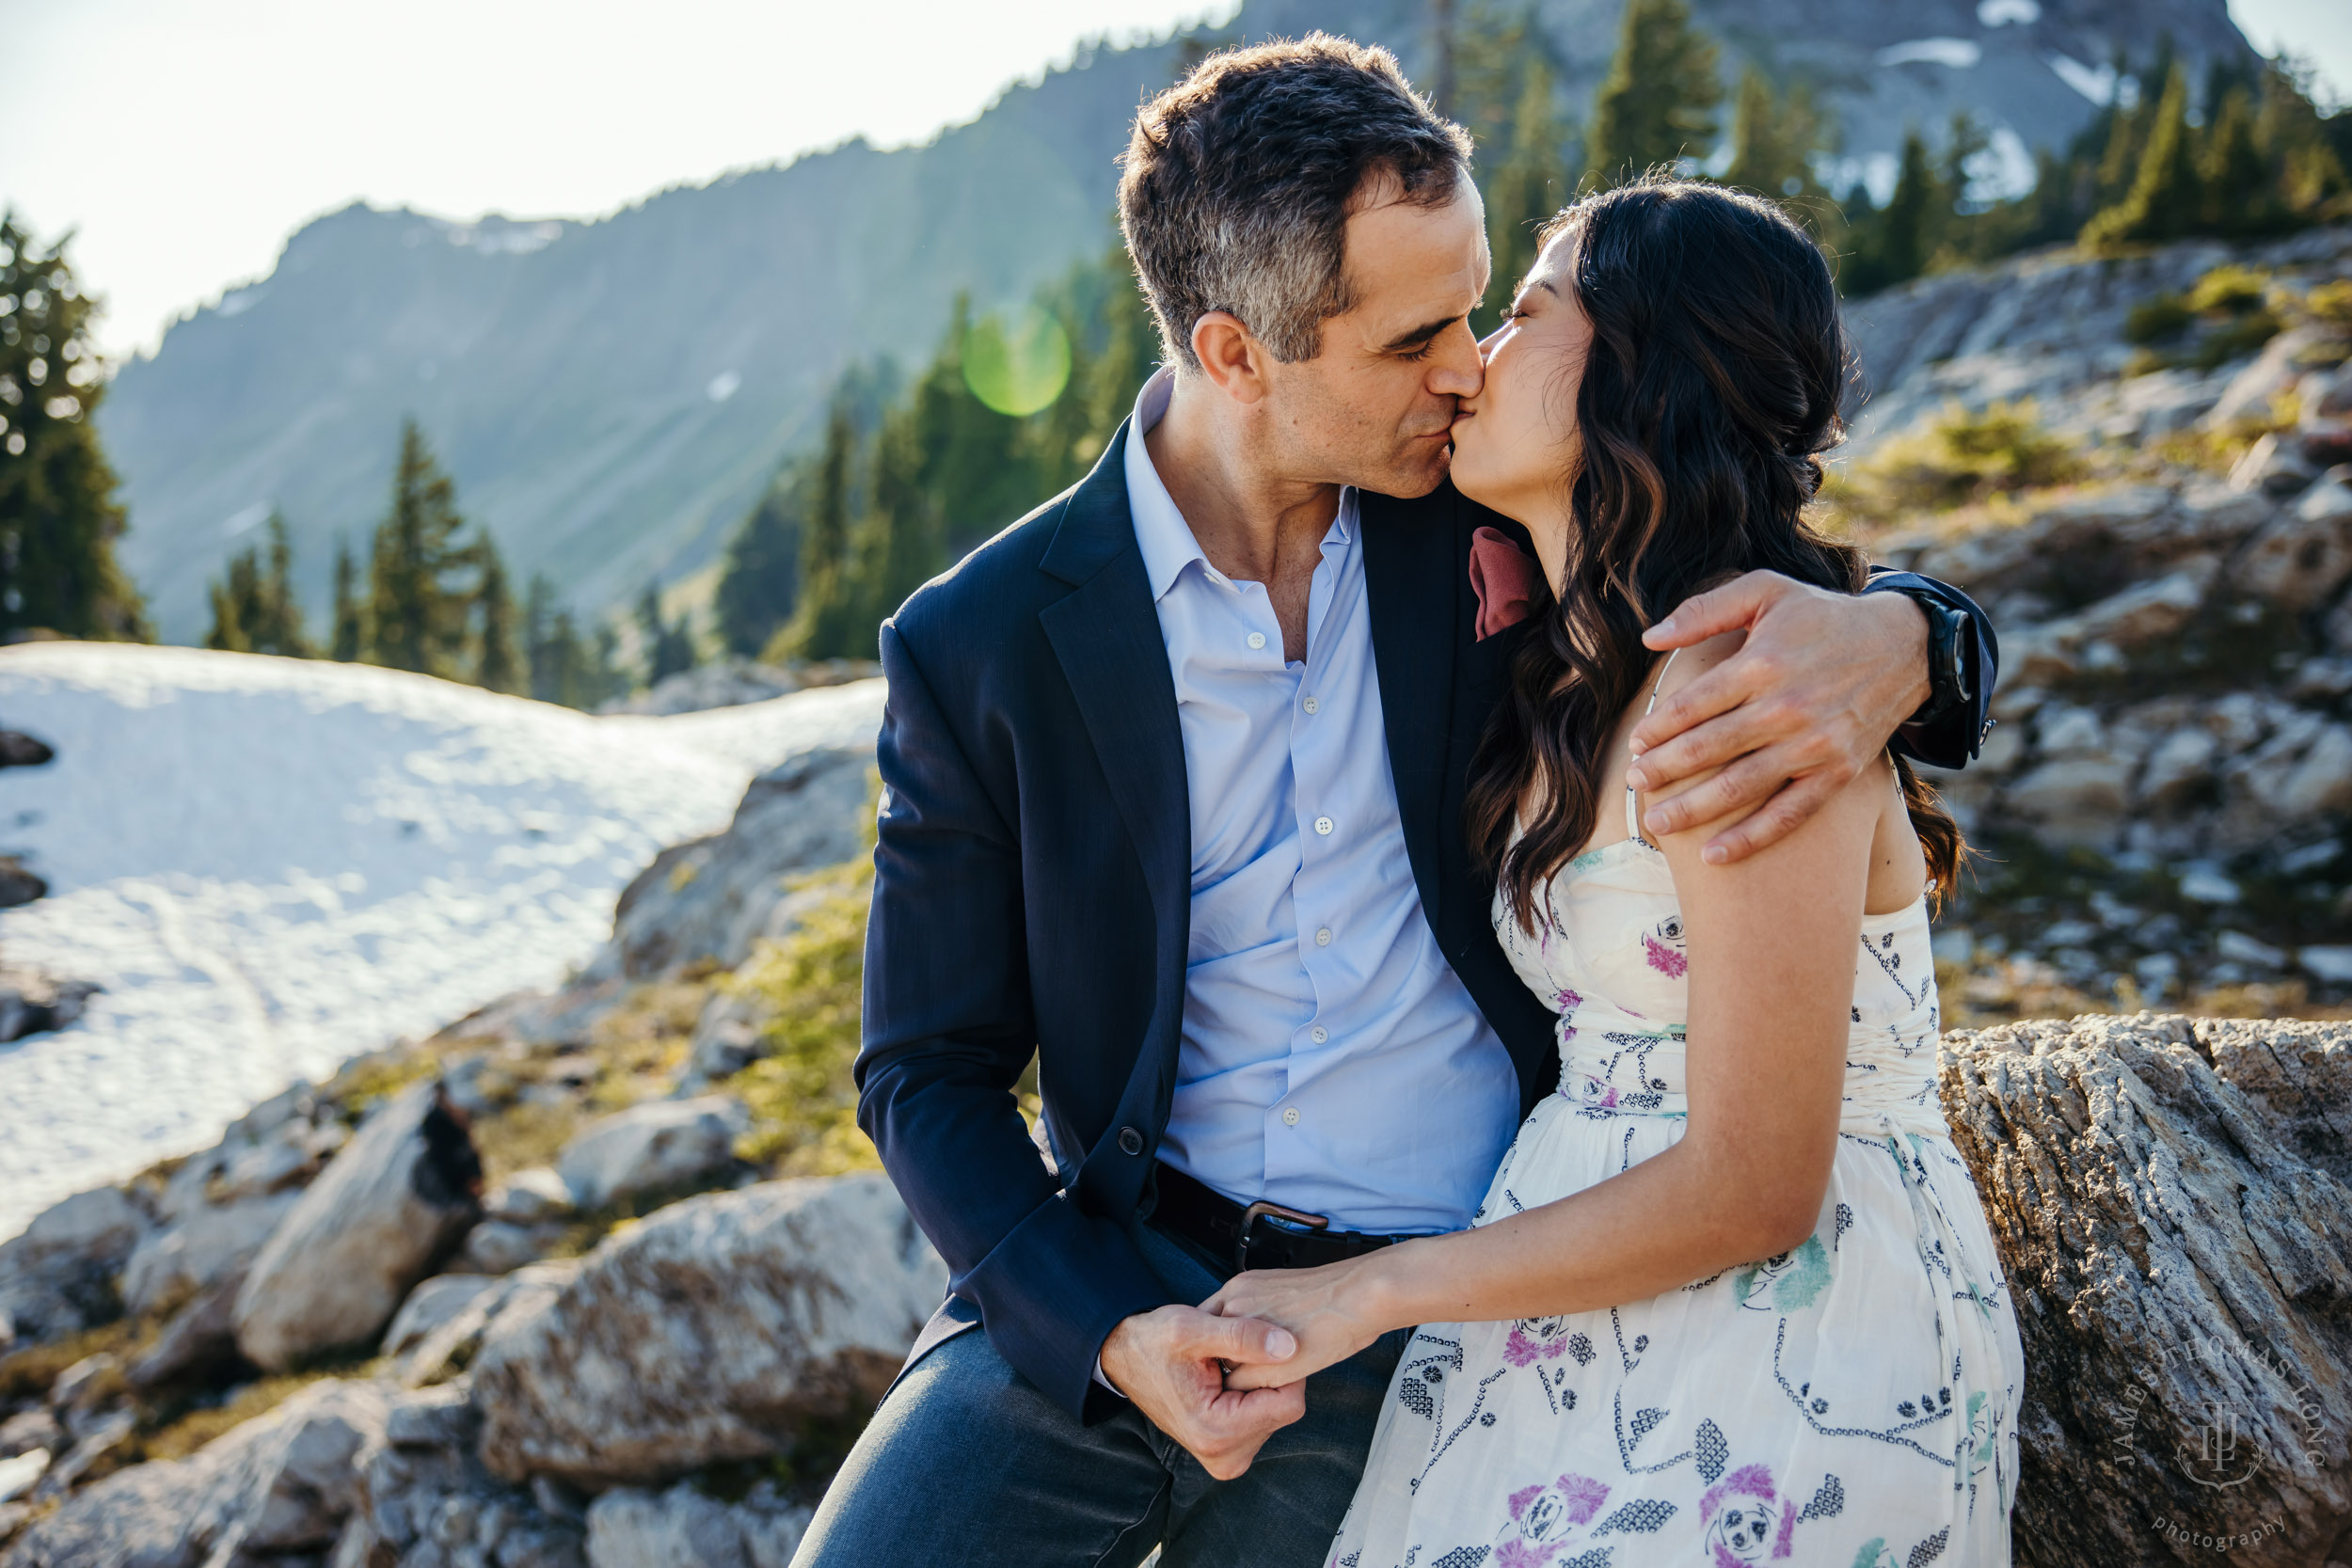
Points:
[(825, 623), (603, 678), (348, 639), (497, 665), (2241, 195), (1774, 140), (762, 574), (58, 519), (2166, 196), (668, 646), (1657, 104), (415, 618), (1893, 242), (1525, 190), (254, 608)]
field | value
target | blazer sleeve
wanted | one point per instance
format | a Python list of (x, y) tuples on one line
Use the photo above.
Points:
[(948, 1030), (1951, 740)]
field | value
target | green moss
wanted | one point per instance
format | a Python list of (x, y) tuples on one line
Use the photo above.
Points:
[(802, 1096), (1960, 459), (2154, 321)]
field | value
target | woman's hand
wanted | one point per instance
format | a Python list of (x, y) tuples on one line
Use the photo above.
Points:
[(1331, 1310)]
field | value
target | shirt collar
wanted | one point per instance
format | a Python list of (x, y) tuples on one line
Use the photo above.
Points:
[(1161, 533)]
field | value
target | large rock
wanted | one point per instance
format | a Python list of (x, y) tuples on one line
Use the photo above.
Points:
[(712, 898), (281, 1484), (397, 1198), (2074, 799), (430, 1503), (33, 1001), (682, 1527), (2167, 1202), (2299, 559), (715, 1329), (662, 1144), (60, 1276)]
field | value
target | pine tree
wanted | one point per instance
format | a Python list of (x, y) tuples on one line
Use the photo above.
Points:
[(761, 576), (254, 608), (1892, 242), (2166, 195), (229, 598), (824, 624), (668, 646), (498, 666), (58, 519), (348, 637), (603, 678), (416, 619), (1525, 190), (1657, 104), (1774, 140), (2241, 195)]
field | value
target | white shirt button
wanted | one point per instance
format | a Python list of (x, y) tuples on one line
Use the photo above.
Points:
[(1323, 826), (1322, 937), (1310, 705), (1319, 1034), (1257, 640), (1290, 1116)]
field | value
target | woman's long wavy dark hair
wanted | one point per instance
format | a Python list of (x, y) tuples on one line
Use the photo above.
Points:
[(1710, 390)]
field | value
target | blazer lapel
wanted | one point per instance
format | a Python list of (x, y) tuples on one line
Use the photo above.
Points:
[(1105, 633), (1409, 577)]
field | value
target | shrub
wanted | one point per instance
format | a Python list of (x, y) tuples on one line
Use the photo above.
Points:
[(2153, 321), (802, 1096), (2228, 289)]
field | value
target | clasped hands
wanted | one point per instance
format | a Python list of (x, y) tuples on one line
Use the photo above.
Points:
[(1222, 1377)]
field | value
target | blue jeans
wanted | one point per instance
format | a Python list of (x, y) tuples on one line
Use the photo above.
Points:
[(967, 1465)]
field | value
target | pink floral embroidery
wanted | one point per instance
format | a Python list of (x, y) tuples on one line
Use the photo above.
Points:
[(1665, 960), (1736, 1529), (1526, 1554), (1520, 1498), (1583, 1495), (1520, 1351)]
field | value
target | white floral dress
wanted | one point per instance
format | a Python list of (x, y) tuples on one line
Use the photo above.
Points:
[(1849, 1402)]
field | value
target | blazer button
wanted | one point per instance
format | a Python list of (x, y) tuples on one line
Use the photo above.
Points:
[(1130, 1141)]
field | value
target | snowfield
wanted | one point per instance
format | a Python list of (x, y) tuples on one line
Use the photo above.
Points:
[(275, 864)]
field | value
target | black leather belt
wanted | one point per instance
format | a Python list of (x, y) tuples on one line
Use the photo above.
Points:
[(1259, 1236)]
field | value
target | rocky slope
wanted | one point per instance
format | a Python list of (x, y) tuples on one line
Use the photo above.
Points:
[(2165, 796), (610, 395)]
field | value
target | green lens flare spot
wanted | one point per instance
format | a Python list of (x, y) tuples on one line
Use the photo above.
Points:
[(1017, 367)]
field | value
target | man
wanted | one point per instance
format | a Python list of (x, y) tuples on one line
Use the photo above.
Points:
[(1174, 771)]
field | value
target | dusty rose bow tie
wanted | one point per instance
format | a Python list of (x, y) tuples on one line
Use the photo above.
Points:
[(1505, 578)]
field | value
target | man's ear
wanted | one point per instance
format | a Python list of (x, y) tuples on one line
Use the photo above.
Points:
[(1232, 359)]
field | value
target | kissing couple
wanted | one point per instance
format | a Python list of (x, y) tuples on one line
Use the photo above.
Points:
[(1438, 816)]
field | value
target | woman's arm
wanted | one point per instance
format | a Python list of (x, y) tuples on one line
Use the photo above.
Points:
[(1771, 947)]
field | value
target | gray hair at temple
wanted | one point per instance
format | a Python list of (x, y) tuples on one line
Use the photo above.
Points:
[(1238, 183)]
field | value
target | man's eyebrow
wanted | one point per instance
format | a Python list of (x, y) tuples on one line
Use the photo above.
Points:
[(1421, 334)]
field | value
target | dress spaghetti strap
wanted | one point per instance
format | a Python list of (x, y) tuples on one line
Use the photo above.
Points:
[(1632, 824)]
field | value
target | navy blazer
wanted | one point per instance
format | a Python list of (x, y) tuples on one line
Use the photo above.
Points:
[(1032, 893)]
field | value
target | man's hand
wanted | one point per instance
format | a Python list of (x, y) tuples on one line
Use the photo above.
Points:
[(1806, 703), (1170, 1364), (1333, 1311)]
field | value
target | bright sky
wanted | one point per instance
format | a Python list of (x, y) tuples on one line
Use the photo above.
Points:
[(186, 141)]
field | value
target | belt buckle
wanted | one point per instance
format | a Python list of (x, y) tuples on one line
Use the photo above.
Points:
[(1293, 1220)]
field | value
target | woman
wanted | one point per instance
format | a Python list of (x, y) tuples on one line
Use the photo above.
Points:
[(1731, 1297)]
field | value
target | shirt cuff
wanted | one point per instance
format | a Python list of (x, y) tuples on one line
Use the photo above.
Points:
[(1103, 1381)]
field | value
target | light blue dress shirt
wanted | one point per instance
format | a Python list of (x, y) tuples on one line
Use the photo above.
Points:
[(1331, 1061)]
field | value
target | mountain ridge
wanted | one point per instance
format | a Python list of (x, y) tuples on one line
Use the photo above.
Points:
[(611, 394)]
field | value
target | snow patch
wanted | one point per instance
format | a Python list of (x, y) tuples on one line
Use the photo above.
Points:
[(2098, 84), (1959, 54), (2000, 13), (275, 864)]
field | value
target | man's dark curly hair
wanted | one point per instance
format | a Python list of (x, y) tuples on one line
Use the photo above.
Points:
[(1239, 180)]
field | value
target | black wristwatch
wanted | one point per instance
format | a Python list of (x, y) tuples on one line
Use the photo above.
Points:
[(1949, 640)]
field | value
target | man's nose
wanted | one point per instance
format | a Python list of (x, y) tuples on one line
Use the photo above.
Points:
[(1459, 366)]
